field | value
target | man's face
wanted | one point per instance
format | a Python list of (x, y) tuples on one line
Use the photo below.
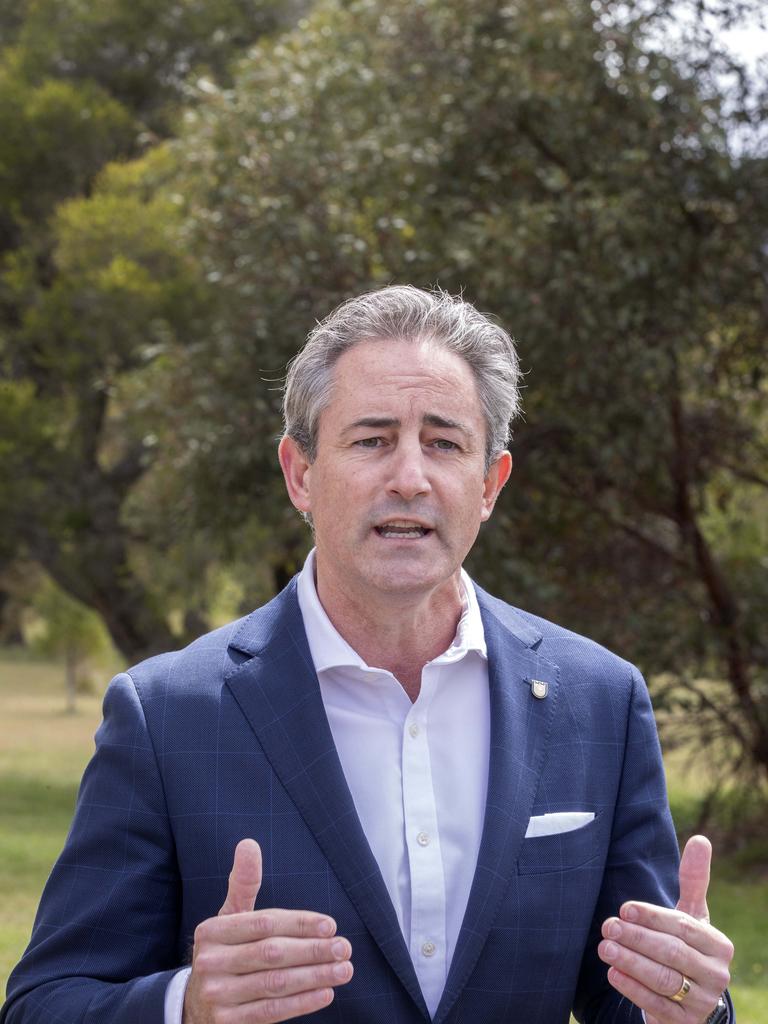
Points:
[(397, 490)]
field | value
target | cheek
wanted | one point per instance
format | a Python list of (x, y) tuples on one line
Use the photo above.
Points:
[(467, 522), (337, 502)]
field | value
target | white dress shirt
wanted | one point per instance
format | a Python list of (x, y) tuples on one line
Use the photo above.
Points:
[(418, 775)]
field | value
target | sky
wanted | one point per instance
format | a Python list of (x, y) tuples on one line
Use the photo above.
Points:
[(750, 44)]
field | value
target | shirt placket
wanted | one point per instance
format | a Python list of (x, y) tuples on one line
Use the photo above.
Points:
[(427, 942)]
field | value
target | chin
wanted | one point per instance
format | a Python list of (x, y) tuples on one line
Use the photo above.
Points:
[(406, 579)]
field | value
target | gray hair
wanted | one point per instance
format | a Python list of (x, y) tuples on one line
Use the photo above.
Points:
[(405, 313)]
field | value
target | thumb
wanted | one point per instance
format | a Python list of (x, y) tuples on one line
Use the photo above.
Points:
[(694, 877), (244, 878)]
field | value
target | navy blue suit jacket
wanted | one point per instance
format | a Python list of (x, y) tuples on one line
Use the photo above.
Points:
[(229, 738)]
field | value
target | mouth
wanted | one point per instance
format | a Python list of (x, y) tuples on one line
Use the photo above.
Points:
[(402, 529)]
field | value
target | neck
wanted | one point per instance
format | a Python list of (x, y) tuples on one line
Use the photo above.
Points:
[(399, 633)]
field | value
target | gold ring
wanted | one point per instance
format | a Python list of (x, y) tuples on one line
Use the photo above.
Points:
[(682, 992)]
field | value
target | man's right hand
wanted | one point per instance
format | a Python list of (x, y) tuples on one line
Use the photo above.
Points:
[(262, 966)]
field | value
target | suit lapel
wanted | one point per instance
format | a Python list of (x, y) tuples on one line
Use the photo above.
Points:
[(278, 692), (520, 728)]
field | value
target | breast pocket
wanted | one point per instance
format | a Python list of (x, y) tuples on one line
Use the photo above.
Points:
[(562, 851)]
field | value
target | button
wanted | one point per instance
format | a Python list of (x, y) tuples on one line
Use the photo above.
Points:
[(414, 729), (428, 948), (423, 838)]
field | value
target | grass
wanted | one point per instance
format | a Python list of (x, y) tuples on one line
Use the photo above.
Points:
[(738, 893), (43, 752)]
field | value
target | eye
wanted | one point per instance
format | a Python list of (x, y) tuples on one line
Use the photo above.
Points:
[(444, 445), (369, 442)]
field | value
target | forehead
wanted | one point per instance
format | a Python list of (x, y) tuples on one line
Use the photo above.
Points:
[(379, 374)]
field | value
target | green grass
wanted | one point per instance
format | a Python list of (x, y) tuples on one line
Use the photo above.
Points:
[(43, 752), (739, 907), (738, 893)]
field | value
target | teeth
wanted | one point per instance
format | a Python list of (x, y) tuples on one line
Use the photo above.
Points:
[(402, 528)]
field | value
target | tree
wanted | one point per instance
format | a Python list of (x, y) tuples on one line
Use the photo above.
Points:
[(583, 184), (73, 632), (94, 278), (143, 55), (80, 446)]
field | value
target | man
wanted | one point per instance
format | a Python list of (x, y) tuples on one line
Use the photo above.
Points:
[(440, 807)]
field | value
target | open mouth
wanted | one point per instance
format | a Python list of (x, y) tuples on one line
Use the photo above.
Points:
[(402, 530)]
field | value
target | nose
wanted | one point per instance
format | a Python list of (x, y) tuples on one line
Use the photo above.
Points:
[(408, 471)]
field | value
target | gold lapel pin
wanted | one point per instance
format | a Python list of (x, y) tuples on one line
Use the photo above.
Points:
[(539, 688)]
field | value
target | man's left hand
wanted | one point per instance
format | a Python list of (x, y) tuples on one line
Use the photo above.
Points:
[(652, 950)]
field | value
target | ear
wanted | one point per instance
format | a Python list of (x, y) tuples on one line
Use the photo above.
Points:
[(495, 478), (295, 466)]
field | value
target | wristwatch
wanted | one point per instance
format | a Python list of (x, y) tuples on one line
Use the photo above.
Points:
[(720, 1013)]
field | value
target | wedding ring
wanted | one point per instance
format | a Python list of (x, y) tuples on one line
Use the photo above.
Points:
[(682, 992)]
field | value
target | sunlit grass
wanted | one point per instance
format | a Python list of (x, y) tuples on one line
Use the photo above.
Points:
[(738, 894), (43, 752)]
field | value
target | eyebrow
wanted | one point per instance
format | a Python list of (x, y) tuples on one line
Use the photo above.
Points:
[(429, 419)]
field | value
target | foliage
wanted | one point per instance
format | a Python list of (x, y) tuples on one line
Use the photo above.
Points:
[(72, 632), (53, 137), (575, 179), (142, 53), (95, 279), (591, 176), (118, 281)]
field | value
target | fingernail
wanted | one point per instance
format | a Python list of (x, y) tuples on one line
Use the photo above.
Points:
[(339, 949), (610, 949), (326, 927), (630, 913), (613, 930), (340, 971)]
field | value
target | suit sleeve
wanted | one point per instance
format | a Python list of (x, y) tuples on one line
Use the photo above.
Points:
[(105, 941), (643, 858)]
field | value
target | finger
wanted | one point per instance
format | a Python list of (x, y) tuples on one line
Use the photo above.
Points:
[(275, 1009), (232, 929), (275, 953), (666, 948), (236, 990), (660, 1007), (694, 877), (657, 978), (244, 878), (698, 934)]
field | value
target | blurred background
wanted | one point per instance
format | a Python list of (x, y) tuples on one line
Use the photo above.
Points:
[(185, 187)]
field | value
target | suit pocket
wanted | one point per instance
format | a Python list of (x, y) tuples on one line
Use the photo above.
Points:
[(562, 851)]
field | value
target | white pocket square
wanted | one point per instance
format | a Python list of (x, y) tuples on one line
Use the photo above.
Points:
[(554, 824)]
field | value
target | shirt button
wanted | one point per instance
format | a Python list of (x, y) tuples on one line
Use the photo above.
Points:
[(428, 948), (414, 729), (423, 838)]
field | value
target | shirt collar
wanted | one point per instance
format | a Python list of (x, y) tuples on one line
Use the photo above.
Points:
[(329, 649)]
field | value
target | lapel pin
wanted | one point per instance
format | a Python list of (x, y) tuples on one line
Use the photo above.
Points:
[(539, 688)]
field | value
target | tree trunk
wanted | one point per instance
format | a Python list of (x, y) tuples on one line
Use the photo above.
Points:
[(723, 604), (70, 680), (105, 583), (10, 619), (292, 550), (84, 545)]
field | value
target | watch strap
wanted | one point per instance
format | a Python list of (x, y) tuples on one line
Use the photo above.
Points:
[(720, 1013)]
